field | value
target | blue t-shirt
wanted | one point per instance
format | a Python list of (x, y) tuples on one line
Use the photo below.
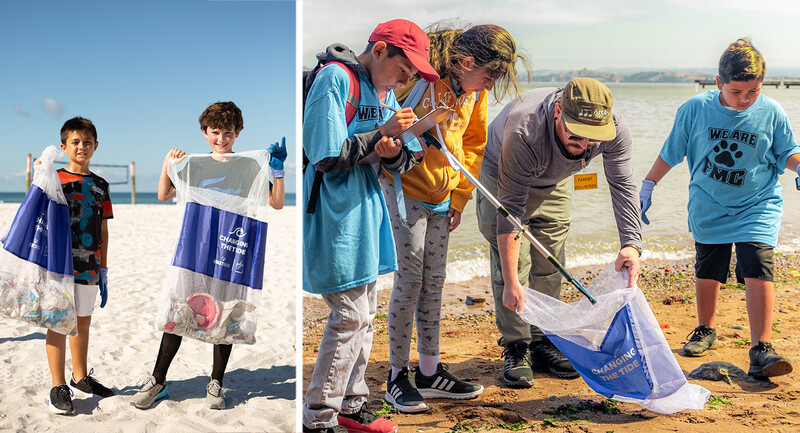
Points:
[(734, 159), (348, 241)]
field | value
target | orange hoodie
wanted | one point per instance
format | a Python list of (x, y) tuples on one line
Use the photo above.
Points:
[(433, 180)]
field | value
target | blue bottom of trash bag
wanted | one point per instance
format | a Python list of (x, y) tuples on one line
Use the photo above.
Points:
[(41, 234), (617, 367)]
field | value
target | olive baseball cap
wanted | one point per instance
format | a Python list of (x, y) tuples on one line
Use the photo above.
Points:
[(410, 38), (586, 107)]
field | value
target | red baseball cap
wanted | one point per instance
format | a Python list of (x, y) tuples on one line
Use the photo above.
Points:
[(410, 38)]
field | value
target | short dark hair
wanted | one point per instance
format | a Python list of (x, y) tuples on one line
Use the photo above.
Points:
[(390, 49), (741, 61), (77, 124), (222, 115)]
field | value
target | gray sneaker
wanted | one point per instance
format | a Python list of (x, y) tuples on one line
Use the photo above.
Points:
[(764, 362), (700, 340), (214, 397), (149, 393)]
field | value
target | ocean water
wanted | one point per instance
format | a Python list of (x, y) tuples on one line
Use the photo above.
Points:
[(649, 110)]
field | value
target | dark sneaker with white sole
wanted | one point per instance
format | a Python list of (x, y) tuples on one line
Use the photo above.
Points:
[(402, 394), (60, 400), (517, 372), (764, 362), (89, 387), (444, 385), (547, 357), (700, 340)]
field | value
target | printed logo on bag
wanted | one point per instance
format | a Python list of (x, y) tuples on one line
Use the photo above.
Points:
[(238, 253)]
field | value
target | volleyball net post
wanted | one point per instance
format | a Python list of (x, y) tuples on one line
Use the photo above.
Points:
[(28, 174), (133, 182)]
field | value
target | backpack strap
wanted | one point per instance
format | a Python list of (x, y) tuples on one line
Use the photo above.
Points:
[(351, 108), (354, 95)]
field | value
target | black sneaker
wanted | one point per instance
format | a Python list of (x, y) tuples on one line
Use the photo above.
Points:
[(334, 429), (700, 340), (764, 362), (89, 387), (517, 371), (60, 400), (547, 357), (365, 421), (444, 385), (402, 394)]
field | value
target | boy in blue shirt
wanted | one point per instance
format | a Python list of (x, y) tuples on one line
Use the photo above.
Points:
[(347, 240), (89, 210), (736, 142)]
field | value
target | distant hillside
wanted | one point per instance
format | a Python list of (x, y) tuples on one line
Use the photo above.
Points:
[(637, 77)]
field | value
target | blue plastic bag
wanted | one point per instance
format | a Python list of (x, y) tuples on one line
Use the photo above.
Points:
[(37, 280), (616, 345), (212, 287)]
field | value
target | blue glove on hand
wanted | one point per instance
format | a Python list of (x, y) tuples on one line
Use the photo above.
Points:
[(278, 154), (644, 198), (103, 286), (797, 180)]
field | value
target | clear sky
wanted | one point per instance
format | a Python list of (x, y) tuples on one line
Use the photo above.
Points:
[(143, 71), (574, 34)]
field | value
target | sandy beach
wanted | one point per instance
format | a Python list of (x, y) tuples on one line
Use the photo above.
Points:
[(260, 380), (469, 346)]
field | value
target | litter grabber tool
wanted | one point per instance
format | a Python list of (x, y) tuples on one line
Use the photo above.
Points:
[(456, 164)]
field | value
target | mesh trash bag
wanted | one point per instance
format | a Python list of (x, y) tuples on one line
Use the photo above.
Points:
[(36, 275), (616, 345), (212, 287)]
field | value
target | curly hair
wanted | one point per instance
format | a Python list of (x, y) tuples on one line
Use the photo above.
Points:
[(222, 115), (491, 46), (741, 61)]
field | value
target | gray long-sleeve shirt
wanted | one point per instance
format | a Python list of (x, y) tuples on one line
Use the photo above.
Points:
[(523, 151)]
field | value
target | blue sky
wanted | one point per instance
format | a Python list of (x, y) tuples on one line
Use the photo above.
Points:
[(574, 34), (143, 71)]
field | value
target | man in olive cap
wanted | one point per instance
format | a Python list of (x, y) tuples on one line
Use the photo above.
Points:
[(535, 144)]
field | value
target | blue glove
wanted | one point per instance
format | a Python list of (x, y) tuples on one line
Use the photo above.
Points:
[(278, 154), (644, 198), (103, 286), (797, 180)]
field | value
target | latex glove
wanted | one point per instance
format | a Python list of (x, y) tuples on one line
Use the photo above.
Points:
[(278, 154), (797, 180), (644, 198), (103, 286)]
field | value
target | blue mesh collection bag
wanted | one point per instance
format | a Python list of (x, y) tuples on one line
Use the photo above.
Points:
[(36, 271), (616, 345), (213, 283)]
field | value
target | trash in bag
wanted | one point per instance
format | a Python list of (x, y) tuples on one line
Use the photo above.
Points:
[(36, 273), (616, 345), (212, 287)]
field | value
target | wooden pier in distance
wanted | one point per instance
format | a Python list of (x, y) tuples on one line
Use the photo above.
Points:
[(777, 83)]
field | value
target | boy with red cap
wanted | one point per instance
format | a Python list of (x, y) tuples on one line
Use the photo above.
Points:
[(347, 235)]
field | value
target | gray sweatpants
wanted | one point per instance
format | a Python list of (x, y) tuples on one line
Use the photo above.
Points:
[(417, 292), (338, 384), (548, 215)]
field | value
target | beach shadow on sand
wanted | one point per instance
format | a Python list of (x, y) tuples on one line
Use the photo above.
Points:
[(273, 383), (27, 337)]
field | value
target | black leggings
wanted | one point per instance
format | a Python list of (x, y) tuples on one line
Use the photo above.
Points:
[(170, 343)]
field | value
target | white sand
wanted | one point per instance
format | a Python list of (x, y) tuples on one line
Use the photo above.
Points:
[(260, 380)]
